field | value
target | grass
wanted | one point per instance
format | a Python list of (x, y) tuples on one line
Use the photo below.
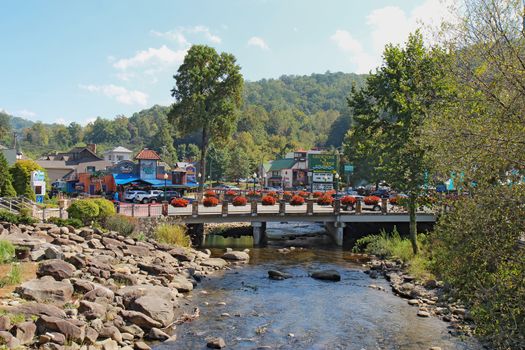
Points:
[(172, 234), (13, 277), (7, 251), (14, 318), (393, 246)]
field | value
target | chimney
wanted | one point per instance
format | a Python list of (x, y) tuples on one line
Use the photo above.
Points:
[(92, 147)]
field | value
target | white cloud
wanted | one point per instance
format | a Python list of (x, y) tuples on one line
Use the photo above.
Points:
[(390, 24), (207, 34), (119, 93), (179, 35), (162, 56), (24, 113), (258, 42), (175, 35)]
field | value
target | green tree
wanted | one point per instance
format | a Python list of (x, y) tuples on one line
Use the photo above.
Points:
[(208, 95), (21, 174), (75, 133), (5, 126), (390, 111), (6, 185), (239, 165)]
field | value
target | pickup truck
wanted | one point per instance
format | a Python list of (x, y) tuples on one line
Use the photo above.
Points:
[(145, 197)]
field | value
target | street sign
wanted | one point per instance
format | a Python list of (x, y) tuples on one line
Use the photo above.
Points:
[(349, 169)]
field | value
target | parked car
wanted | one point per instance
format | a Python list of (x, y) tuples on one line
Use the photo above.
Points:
[(169, 196), (129, 195), (226, 187), (147, 197), (381, 193)]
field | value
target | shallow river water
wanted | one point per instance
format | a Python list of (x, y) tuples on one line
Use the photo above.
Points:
[(303, 313)]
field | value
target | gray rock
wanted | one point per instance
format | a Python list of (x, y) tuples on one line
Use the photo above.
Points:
[(30, 309), (216, 343), (58, 269), (72, 329), (181, 283), (109, 344), (5, 323), (278, 275), (9, 340), (127, 279), (132, 329), (25, 332), (46, 289), (157, 334), (92, 310), (423, 313), (236, 256), (130, 293), (182, 254), (140, 345), (100, 292), (327, 275), (111, 332), (215, 262), (54, 252), (140, 319), (159, 309)]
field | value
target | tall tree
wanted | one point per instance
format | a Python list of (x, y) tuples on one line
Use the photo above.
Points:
[(6, 185), (390, 111), (207, 96)]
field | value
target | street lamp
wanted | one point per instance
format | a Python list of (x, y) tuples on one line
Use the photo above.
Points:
[(199, 175), (165, 181), (254, 180), (264, 180), (337, 182)]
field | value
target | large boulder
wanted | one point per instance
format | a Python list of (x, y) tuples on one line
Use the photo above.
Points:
[(38, 309), (140, 319), (182, 254), (236, 256), (181, 283), (130, 293), (215, 263), (58, 269), (46, 289), (9, 340), (72, 329), (92, 310), (159, 309), (25, 332), (327, 275), (100, 294)]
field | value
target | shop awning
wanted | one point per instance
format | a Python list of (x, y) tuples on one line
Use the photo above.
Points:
[(124, 179)]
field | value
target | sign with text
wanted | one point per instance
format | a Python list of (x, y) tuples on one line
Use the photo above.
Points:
[(322, 162), (323, 177), (148, 169), (349, 169)]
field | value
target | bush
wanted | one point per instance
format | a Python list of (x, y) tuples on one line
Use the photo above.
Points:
[(7, 251), (105, 208), (84, 210), (297, 200), (76, 223), (317, 194), (122, 224), (268, 200), (210, 193), (17, 219), (210, 202), (348, 200), (239, 201), (325, 200), (173, 234), (372, 200), (180, 202)]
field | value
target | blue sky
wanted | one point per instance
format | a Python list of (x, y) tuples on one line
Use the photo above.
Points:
[(65, 61)]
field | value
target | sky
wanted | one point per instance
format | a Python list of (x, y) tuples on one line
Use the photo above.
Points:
[(64, 61)]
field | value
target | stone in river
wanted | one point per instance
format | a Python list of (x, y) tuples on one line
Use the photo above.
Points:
[(237, 256), (327, 275), (278, 275), (216, 343)]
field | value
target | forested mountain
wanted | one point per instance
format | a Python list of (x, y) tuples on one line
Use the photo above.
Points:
[(277, 116)]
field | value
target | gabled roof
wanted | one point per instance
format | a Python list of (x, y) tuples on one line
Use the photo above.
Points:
[(148, 154), (119, 149), (281, 164)]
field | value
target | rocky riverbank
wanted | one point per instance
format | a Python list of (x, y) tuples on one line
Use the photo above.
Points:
[(430, 297), (96, 290)]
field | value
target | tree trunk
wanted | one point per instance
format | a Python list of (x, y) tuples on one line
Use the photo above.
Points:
[(413, 222), (204, 148)]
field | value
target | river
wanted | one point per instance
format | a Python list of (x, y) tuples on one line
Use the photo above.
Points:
[(250, 311)]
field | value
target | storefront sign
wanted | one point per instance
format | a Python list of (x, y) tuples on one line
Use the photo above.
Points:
[(322, 162), (148, 169), (323, 177), (38, 184)]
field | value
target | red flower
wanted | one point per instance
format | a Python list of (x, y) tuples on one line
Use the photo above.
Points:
[(179, 202), (348, 200), (272, 194), (239, 201), (268, 200), (325, 200), (231, 193), (317, 194), (297, 200), (254, 194), (303, 194), (210, 193), (210, 202), (287, 195), (372, 200)]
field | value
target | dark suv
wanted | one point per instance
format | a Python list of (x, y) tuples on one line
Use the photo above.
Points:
[(169, 196), (381, 193)]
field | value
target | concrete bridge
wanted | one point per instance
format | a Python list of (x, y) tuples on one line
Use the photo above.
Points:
[(341, 223)]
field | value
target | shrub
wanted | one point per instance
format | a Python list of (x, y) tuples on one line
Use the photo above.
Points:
[(325, 200), (105, 208), (7, 251), (297, 200), (76, 223), (17, 219), (239, 201), (210, 193), (180, 202), (348, 200), (84, 209), (173, 234), (122, 224), (268, 200), (231, 193), (372, 200), (210, 202)]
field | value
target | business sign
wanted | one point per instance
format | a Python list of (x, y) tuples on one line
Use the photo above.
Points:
[(148, 169), (38, 183), (322, 162), (349, 169), (323, 177)]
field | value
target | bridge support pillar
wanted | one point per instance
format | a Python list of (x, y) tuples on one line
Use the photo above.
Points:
[(336, 231), (259, 233)]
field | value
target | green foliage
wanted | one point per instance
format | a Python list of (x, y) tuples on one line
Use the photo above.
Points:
[(85, 210), (13, 277), (122, 224), (16, 219), (173, 235), (76, 223), (14, 318), (105, 208), (21, 174), (6, 185), (7, 251)]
